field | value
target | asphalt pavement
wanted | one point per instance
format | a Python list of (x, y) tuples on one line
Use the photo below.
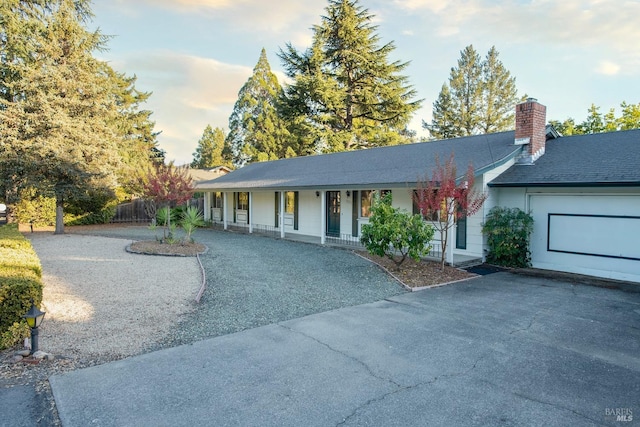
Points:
[(501, 349)]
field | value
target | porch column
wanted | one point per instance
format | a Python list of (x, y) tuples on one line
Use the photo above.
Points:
[(224, 210), (323, 217), (250, 216), (281, 219), (450, 234), (207, 205)]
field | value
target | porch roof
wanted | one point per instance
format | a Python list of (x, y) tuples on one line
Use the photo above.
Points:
[(401, 165)]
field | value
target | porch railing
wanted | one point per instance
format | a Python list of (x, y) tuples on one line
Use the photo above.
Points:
[(267, 230), (344, 240), (338, 240)]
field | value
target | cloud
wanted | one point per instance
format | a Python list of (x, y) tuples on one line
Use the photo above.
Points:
[(189, 93), (608, 68), (252, 15), (579, 23), (431, 5)]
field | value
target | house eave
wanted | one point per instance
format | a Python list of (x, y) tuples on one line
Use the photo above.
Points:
[(480, 171), (565, 184)]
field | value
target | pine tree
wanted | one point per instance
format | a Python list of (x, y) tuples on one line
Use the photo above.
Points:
[(479, 98), (57, 136), (499, 95), (346, 94), (209, 152), (444, 114), (256, 132)]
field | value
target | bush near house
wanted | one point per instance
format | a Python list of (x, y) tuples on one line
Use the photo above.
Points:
[(508, 232), (395, 234), (20, 281)]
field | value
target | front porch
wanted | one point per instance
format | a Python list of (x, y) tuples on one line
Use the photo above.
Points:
[(345, 241)]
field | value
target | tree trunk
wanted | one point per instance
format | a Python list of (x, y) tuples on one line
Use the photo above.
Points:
[(59, 216)]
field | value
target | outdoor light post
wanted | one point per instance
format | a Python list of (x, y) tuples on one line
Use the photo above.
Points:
[(34, 319)]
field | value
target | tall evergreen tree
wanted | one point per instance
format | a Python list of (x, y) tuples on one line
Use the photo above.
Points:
[(209, 152), (479, 97), (57, 133), (346, 94), (19, 21), (137, 139), (500, 95), (256, 132), (445, 115)]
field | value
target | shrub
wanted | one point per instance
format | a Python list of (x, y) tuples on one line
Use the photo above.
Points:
[(20, 278), (39, 210), (191, 219), (15, 334), (508, 232), (103, 216), (395, 234)]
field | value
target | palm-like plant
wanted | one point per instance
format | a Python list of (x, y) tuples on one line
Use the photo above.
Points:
[(191, 219)]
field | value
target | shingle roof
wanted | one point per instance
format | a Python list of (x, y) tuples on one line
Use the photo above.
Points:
[(583, 160), (371, 168)]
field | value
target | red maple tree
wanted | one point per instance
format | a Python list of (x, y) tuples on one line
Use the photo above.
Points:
[(445, 197), (166, 185)]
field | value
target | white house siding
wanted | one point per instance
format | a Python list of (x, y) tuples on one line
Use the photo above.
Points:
[(487, 177), (402, 198), (263, 211), (512, 198), (346, 212), (593, 231), (309, 214)]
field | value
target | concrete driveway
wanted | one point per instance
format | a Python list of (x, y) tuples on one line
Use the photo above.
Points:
[(502, 349)]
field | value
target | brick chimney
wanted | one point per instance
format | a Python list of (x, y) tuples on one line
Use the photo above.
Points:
[(531, 118)]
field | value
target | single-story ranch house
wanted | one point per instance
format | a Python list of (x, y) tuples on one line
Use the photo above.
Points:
[(583, 192)]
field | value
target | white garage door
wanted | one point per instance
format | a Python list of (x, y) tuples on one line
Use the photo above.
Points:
[(598, 235)]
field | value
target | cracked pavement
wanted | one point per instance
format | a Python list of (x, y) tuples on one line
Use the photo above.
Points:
[(502, 349)]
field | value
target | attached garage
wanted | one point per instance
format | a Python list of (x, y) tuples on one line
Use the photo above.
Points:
[(594, 234), (584, 196)]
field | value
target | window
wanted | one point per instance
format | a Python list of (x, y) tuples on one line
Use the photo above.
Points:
[(365, 203), (290, 202), (429, 215), (217, 199), (290, 207), (366, 199), (243, 201)]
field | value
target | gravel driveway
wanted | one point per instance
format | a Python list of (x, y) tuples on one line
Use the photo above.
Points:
[(254, 280)]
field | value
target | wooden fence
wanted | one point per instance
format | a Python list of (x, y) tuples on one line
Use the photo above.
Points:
[(136, 211)]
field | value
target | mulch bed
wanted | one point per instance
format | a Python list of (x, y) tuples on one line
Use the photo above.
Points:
[(154, 247), (416, 274)]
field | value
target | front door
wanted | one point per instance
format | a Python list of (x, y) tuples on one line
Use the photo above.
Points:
[(461, 233), (333, 213)]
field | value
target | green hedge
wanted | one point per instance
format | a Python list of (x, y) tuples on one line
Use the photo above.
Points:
[(20, 281)]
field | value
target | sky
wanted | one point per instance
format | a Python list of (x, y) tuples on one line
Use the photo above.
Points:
[(195, 55)]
